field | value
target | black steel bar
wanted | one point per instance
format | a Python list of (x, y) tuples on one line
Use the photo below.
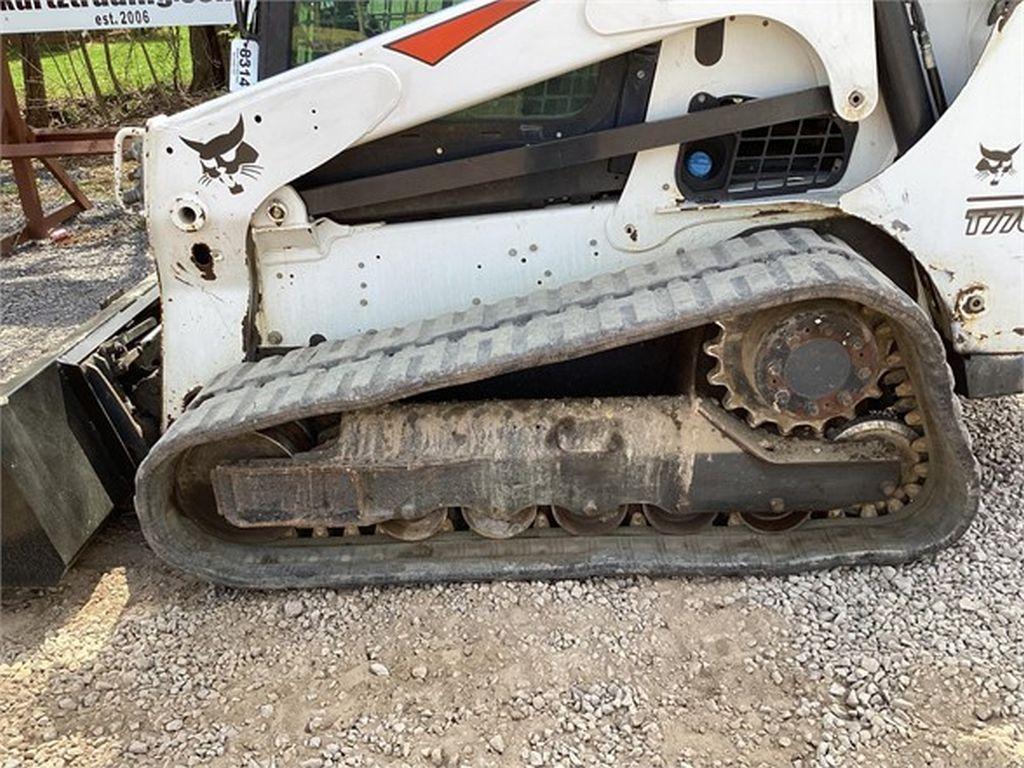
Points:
[(562, 153), (274, 32)]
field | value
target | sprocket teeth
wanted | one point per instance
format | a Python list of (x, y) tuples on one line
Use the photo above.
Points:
[(731, 402), (894, 377), (717, 375), (905, 405), (752, 421), (786, 427), (848, 415), (714, 346), (740, 341)]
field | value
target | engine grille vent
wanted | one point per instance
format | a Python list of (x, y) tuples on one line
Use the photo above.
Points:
[(802, 154)]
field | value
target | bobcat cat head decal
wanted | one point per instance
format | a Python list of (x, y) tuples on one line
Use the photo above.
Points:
[(227, 158), (995, 164)]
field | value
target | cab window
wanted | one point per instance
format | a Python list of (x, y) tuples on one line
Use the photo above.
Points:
[(324, 26)]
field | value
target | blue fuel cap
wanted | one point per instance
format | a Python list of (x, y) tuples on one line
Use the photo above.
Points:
[(699, 164)]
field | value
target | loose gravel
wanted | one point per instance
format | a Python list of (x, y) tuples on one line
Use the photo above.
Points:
[(956, 620), (48, 288), (131, 663)]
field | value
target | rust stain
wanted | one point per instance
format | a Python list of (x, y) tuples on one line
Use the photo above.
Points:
[(970, 302), (949, 273), (356, 479)]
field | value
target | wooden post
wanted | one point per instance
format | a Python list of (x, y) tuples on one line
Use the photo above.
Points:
[(15, 131)]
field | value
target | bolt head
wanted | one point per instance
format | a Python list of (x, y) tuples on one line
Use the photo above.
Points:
[(277, 212), (974, 304)]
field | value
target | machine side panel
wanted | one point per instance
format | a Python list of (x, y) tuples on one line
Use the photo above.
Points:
[(209, 169), (956, 201)]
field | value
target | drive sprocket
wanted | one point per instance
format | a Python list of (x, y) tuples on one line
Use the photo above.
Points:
[(800, 365)]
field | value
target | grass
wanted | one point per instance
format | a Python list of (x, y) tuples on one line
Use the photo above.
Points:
[(66, 76)]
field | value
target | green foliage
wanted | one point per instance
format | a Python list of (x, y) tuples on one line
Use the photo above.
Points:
[(65, 73)]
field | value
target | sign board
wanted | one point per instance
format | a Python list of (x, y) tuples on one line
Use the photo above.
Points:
[(245, 68), (64, 15)]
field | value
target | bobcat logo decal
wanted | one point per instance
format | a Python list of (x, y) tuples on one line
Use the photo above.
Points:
[(227, 158), (995, 164)]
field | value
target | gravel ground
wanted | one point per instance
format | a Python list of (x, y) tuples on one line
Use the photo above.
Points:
[(130, 663), (48, 288)]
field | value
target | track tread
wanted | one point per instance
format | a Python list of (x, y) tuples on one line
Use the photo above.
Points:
[(752, 250), (678, 291)]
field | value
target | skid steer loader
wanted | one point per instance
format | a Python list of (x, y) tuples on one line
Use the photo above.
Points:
[(549, 289)]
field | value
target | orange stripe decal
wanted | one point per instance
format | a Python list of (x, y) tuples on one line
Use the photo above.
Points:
[(435, 43)]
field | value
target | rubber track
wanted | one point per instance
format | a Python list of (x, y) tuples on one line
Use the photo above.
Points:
[(678, 291)]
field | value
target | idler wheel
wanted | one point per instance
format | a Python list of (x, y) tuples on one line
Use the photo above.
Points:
[(495, 525), (587, 522), (676, 524), (193, 486), (774, 523), (415, 530)]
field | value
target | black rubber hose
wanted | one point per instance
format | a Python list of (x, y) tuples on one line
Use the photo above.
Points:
[(899, 70)]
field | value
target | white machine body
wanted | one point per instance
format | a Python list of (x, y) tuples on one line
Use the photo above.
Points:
[(239, 257)]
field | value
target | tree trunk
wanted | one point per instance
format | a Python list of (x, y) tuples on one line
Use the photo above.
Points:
[(110, 65), (208, 70), (69, 49), (141, 39), (101, 102), (35, 85), (174, 43)]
